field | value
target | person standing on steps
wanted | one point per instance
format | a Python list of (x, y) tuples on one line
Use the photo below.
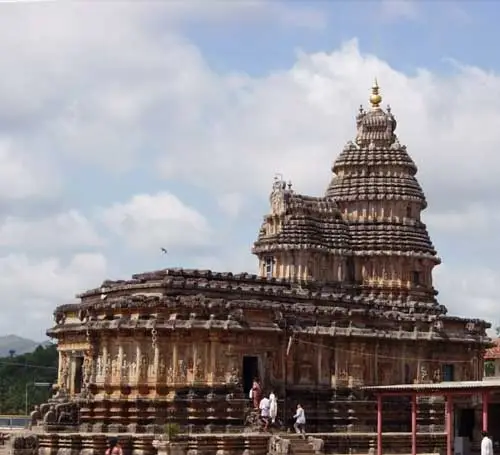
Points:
[(264, 412), (256, 393), (300, 422), (273, 407), (486, 444)]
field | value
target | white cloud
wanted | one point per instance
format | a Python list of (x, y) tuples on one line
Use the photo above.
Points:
[(23, 175), (231, 204), (473, 291), (31, 289), (62, 231), (150, 222)]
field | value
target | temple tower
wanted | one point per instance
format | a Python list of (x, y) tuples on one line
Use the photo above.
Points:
[(376, 190), (366, 230), (302, 238)]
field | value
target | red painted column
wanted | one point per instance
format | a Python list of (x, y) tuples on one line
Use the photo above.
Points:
[(379, 424), (449, 424), (414, 424), (486, 399)]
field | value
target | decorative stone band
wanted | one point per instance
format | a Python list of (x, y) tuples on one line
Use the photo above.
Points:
[(431, 334)]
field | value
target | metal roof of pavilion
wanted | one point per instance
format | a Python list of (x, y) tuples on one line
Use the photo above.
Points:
[(489, 383)]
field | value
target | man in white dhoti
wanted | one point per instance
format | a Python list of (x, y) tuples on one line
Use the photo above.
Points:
[(273, 407)]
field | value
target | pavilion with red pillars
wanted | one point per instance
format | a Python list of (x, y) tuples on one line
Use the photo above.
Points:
[(449, 390)]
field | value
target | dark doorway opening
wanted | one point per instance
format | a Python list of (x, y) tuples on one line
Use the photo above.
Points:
[(77, 380), (250, 372), (466, 423)]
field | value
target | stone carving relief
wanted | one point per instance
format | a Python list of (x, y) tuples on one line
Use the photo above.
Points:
[(124, 367), (201, 369), (144, 365), (65, 366), (87, 368), (423, 374)]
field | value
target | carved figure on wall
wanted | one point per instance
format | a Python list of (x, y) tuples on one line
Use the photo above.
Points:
[(35, 416), (424, 376), (50, 416), (161, 367), (144, 365), (234, 377), (170, 375), (437, 375), (199, 370), (87, 370), (64, 370), (124, 365), (114, 367), (133, 369), (183, 370), (99, 366)]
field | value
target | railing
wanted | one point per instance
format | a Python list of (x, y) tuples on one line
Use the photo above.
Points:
[(12, 422)]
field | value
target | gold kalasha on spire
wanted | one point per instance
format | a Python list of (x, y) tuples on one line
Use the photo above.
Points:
[(375, 98)]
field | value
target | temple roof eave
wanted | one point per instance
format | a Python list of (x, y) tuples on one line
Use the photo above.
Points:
[(324, 331)]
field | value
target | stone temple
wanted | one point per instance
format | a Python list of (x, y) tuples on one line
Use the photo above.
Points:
[(344, 297)]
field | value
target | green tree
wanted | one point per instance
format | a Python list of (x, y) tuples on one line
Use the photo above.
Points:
[(18, 373)]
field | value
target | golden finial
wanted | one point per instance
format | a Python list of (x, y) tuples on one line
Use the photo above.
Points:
[(375, 98)]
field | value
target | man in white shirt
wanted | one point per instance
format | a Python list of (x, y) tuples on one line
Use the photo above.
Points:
[(264, 407), (300, 421), (486, 444)]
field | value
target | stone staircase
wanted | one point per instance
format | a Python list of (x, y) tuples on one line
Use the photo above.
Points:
[(299, 446)]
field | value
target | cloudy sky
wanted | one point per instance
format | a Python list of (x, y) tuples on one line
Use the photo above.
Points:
[(125, 127)]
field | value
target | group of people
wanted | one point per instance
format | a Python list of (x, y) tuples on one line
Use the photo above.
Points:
[(268, 408)]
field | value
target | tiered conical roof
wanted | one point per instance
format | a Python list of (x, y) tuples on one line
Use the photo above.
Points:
[(376, 168), (305, 223)]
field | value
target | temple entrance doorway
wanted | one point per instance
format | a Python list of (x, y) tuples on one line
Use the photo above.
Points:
[(250, 372), (77, 375), (466, 423)]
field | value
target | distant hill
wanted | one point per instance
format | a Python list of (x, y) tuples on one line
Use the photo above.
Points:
[(18, 344)]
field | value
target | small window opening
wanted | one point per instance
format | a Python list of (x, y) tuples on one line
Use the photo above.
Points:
[(269, 265), (408, 211), (416, 279)]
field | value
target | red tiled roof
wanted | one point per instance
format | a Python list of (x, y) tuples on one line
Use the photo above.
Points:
[(494, 352)]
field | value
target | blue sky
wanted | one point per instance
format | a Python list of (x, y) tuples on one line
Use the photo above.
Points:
[(125, 127)]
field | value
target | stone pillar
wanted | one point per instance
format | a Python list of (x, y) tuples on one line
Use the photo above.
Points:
[(105, 359), (213, 361), (59, 367), (138, 361), (175, 362), (156, 361), (319, 371), (119, 361)]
